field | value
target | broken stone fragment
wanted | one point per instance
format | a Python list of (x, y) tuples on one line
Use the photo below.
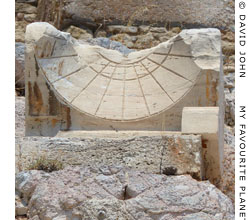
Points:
[(79, 33), (19, 66), (30, 17), (21, 207), (116, 29), (25, 8)]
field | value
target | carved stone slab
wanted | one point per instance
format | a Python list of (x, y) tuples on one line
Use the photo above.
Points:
[(71, 86)]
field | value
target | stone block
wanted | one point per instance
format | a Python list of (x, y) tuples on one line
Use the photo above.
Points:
[(74, 86), (122, 29), (151, 152), (207, 122)]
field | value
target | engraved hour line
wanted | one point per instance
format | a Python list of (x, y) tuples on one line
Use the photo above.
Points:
[(126, 79), (105, 90), (158, 66), (146, 104), (52, 50), (67, 75), (158, 82), (123, 97), (122, 64), (97, 74), (175, 55), (170, 70), (110, 61), (156, 69)]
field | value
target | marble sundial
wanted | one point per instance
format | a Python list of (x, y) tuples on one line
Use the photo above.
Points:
[(106, 84)]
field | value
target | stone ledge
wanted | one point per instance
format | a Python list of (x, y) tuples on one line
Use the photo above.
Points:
[(171, 154)]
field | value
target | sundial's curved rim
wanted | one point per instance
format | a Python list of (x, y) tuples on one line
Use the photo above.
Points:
[(151, 51)]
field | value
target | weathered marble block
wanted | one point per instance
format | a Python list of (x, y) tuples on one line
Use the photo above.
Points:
[(71, 86), (207, 121)]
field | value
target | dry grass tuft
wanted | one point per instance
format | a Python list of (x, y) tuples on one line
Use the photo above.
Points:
[(45, 164)]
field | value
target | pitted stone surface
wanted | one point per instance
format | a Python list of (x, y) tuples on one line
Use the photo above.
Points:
[(115, 193), (155, 154), (109, 85)]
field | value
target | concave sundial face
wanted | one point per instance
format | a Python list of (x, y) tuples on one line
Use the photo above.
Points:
[(105, 84)]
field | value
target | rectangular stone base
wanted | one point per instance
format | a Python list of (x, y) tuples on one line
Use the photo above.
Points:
[(154, 152)]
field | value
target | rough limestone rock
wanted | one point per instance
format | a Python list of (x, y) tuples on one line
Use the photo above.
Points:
[(145, 41), (229, 81), (78, 86), (227, 183), (20, 27), (21, 208), (31, 2), (19, 65), (229, 136), (19, 116), (110, 44), (228, 48), (115, 193), (79, 33), (125, 39), (230, 107), (213, 13), (25, 8), (116, 29), (30, 17)]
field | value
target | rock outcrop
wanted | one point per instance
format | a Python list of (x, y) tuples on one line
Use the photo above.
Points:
[(79, 33), (214, 13), (19, 67), (115, 193)]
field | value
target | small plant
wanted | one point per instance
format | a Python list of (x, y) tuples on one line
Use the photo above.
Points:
[(45, 164)]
